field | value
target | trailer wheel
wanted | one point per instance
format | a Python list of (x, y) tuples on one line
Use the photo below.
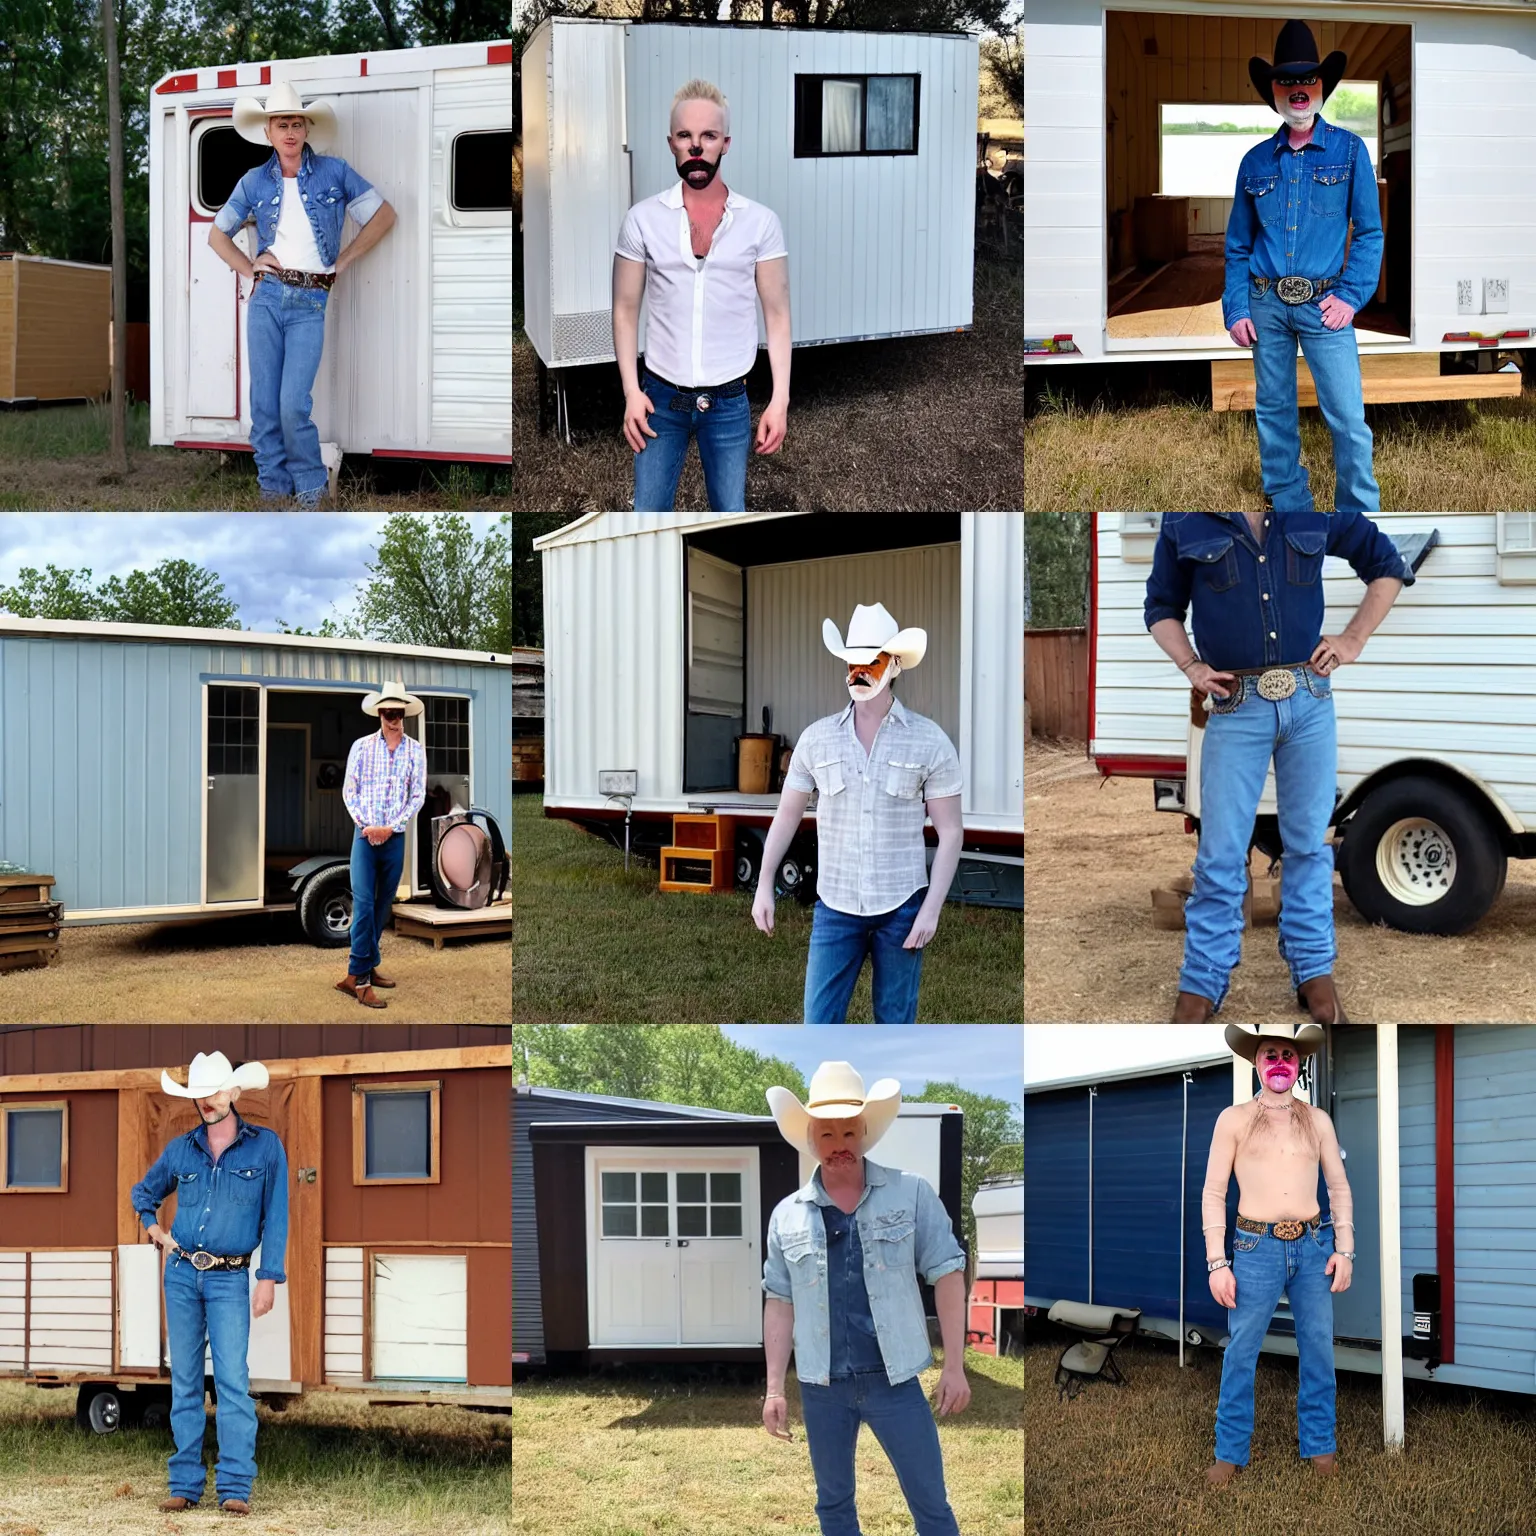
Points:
[(156, 1414), (749, 858), (796, 874), (325, 908), (99, 1407), (1420, 856)]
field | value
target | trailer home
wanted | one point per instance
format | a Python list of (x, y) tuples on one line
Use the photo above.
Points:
[(1124, 222), (995, 1317), (231, 750), (669, 636), (1437, 739), (398, 1259), (418, 346), (863, 143), (640, 1228), (55, 329)]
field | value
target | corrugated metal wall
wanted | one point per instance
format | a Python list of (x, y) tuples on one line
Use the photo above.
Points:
[(991, 739)]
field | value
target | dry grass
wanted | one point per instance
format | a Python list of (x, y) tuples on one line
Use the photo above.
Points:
[(921, 423), (1131, 1460), (327, 1463), (258, 970), (1094, 849), (631, 1457), (1177, 455)]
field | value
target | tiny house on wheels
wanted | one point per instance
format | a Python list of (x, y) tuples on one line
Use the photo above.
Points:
[(1126, 202), (863, 143), (399, 1250), (1437, 735), (220, 790), (418, 345)]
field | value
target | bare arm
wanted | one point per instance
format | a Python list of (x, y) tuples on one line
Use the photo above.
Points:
[(773, 293), (231, 254), (778, 1335), (1174, 643), (786, 822), (628, 290), (945, 813), (1374, 607), (1218, 1173), (949, 1303), (368, 236), (1341, 1201)]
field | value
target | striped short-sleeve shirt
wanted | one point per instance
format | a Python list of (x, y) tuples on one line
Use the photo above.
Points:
[(384, 788)]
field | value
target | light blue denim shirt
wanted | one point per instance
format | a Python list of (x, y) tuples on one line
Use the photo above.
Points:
[(904, 1231), (331, 190)]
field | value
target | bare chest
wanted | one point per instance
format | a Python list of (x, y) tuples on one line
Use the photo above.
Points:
[(703, 221)]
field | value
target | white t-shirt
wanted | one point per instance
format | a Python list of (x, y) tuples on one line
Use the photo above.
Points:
[(294, 243), (701, 314)]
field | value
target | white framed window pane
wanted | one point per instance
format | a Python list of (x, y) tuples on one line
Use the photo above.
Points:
[(842, 106), (892, 120), (725, 1188), (1520, 530), (653, 1221), (692, 1221), (34, 1148), (619, 1221), (690, 1189), (653, 1188), (398, 1135), (725, 1221), (619, 1187)]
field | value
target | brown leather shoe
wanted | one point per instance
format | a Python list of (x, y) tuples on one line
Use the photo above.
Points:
[(235, 1507), (1191, 1008), (1220, 1473), (356, 987), (1320, 998), (1324, 1466), (379, 979), (176, 1504)]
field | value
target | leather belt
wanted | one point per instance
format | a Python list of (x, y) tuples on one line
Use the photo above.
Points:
[(1287, 1231), (296, 279), (201, 1259), (1293, 290), (701, 398), (1275, 683)]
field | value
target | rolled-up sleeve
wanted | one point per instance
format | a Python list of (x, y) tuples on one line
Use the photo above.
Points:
[(944, 776), (152, 1189), (775, 1270), (363, 198), (1169, 585), (1352, 536), (631, 242), (938, 1253), (237, 208), (799, 776)]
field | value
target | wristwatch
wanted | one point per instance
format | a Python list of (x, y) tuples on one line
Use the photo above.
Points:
[(1339, 1254), (1212, 1265)]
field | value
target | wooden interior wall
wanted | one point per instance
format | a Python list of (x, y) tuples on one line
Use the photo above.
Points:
[(85, 1216)]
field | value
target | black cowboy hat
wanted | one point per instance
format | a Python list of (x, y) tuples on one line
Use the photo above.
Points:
[(1296, 54)]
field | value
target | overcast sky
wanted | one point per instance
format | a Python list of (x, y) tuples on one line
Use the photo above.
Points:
[(1053, 1052), (288, 565)]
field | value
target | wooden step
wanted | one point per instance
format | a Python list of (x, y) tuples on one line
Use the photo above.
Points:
[(1384, 376)]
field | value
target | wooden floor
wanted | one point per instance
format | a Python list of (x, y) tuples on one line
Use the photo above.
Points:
[(1385, 377), (423, 920)]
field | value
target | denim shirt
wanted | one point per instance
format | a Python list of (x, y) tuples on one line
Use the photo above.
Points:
[(904, 1231), (1291, 210), (1259, 605), (855, 1345), (329, 187), (225, 1207)]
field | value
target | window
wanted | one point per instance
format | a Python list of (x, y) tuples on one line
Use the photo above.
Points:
[(223, 157), (233, 721), (712, 1211), (396, 1133), (447, 735), (34, 1148), (1516, 548), (635, 1204), (856, 115), (482, 172)]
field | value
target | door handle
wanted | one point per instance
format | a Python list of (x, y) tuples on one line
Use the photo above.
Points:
[(305, 1176), (682, 1242)]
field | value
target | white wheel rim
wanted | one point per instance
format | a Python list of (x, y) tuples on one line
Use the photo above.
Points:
[(1416, 862)]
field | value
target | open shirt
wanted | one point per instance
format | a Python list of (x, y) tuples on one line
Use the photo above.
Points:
[(328, 187)]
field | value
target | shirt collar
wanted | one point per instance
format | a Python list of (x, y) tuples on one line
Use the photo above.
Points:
[(200, 1135), (813, 1191), (1319, 140), (896, 712), (673, 196)]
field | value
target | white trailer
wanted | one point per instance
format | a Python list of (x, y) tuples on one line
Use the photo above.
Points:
[(418, 348), (881, 233), (668, 635), (1437, 735), (1455, 149)]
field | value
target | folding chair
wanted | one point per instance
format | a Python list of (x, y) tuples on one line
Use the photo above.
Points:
[(1093, 1357)]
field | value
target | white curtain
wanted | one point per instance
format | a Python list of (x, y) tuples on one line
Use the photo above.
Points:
[(842, 107)]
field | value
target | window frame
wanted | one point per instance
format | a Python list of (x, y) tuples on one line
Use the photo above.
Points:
[(806, 128), (494, 218), (360, 1092), (1515, 564), (6, 1111)]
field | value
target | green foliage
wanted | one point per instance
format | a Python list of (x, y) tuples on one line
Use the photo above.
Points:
[(1056, 568), (174, 592), (528, 574), (993, 1142)]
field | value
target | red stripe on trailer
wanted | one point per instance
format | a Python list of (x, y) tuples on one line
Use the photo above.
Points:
[(363, 68), (177, 83), (499, 53), (1445, 1185), (194, 442), (266, 74), (228, 77), (1129, 766), (457, 458)]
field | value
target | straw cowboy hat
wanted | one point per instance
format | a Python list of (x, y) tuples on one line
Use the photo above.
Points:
[(209, 1075), (1296, 54), (836, 1093), (872, 630), (283, 101), (392, 694), (1244, 1041)]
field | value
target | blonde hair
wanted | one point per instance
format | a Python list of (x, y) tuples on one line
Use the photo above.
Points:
[(701, 90)]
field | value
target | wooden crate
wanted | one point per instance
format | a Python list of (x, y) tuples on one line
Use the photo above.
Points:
[(25, 888), (55, 329), (711, 870), (711, 833), (29, 959), (528, 761)]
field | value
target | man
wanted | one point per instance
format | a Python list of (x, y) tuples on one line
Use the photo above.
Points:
[(299, 200), (385, 786), (877, 769), (702, 257), (1263, 688), (1297, 197), (844, 1255), (1282, 1242), (231, 1186)]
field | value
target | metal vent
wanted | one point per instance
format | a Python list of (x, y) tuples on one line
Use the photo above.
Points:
[(584, 337)]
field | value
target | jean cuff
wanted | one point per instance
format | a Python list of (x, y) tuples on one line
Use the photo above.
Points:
[(1205, 983), (1309, 970)]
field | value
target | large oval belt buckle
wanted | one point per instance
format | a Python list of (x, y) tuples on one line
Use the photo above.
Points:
[(1277, 684), (1294, 290), (703, 402), (201, 1260), (1289, 1231)]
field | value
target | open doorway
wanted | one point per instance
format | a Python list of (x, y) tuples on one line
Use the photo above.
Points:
[(1181, 112)]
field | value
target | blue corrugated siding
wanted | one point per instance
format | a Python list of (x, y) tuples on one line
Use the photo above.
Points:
[(1056, 1194)]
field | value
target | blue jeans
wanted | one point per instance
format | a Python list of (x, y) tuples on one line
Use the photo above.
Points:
[(839, 943), (724, 432), (1264, 1266), (1242, 733), (903, 1424), (375, 875), (285, 332), (214, 1305), (1334, 360)]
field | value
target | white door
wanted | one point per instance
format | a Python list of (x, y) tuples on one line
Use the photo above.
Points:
[(636, 1294), (420, 1317), (719, 1288)]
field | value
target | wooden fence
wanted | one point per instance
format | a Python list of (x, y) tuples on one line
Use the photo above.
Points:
[(1056, 682)]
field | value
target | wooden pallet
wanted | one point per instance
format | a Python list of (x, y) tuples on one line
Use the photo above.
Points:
[(422, 920), (1384, 376)]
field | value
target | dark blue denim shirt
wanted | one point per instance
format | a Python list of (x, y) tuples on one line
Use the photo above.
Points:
[(225, 1207), (855, 1346), (330, 188), (1259, 605), (1292, 209)]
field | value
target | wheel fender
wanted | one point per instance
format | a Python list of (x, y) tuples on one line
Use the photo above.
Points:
[(1402, 767)]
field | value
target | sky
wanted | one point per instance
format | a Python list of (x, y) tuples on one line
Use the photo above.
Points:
[(1055, 1052), (301, 567)]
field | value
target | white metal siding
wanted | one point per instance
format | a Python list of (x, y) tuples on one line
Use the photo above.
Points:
[(69, 1324), (138, 1305), (13, 1310), (537, 129), (343, 1312), (419, 1317), (991, 739)]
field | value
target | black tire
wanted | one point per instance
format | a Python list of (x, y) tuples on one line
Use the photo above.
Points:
[(101, 1408), (325, 908), (749, 858), (1422, 856), (155, 1412), (796, 874)]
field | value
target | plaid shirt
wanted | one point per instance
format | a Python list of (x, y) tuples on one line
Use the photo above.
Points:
[(384, 788), (870, 808)]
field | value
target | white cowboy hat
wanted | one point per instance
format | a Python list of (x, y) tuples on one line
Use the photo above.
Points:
[(1244, 1041), (209, 1075), (393, 693), (836, 1093), (283, 101), (872, 630)]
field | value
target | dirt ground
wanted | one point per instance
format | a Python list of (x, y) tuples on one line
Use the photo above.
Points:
[(1093, 851), (257, 969)]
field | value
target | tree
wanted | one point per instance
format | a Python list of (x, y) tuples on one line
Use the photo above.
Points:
[(1057, 547), (51, 594), (174, 592), (993, 1142), (119, 448), (528, 575)]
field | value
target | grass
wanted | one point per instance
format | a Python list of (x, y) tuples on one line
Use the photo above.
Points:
[(1131, 1460), (632, 1456), (1163, 452), (644, 956), (326, 1463)]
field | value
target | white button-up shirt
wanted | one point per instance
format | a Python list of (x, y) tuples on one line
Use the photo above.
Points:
[(701, 312), (870, 807)]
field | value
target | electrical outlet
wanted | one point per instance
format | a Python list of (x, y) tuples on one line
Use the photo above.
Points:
[(1465, 304), (1495, 295)]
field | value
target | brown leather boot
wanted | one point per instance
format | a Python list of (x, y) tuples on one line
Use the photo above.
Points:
[(176, 1503), (379, 979), (1321, 1000), (1324, 1466), (1191, 1008), (357, 987), (235, 1507), (1220, 1473)]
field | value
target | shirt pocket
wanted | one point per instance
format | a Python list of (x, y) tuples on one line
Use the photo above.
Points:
[(799, 1252), (1215, 562), (892, 1241), (905, 780), (1330, 192), (1304, 557), (245, 1185), (1264, 190), (828, 776), (187, 1187)]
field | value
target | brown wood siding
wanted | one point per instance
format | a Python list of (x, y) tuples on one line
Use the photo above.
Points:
[(1056, 682), (559, 1196), (489, 1309), (7, 330), (87, 1215), (63, 331)]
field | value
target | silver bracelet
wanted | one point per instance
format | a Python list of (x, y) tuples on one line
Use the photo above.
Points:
[(1339, 1254), (1212, 1265)]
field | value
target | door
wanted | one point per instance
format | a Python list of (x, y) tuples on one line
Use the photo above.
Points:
[(420, 1317), (446, 739), (636, 1292), (233, 717), (287, 788), (1357, 1311), (716, 672), (717, 1265)]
